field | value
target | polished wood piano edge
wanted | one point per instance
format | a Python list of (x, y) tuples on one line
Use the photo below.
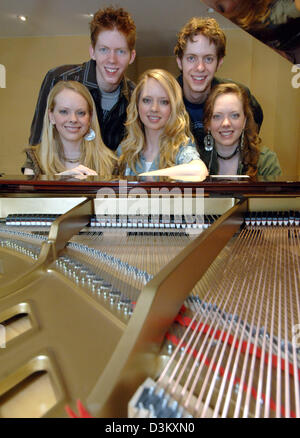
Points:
[(22, 185)]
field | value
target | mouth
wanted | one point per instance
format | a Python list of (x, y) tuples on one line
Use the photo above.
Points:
[(72, 128), (226, 133), (154, 119), (111, 70), (198, 78)]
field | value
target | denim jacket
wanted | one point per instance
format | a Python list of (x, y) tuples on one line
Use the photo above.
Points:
[(185, 154)]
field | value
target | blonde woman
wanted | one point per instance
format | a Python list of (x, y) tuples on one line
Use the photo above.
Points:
[(71, 140), (158, 141)]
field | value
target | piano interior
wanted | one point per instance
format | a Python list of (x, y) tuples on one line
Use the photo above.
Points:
[(158, 316)]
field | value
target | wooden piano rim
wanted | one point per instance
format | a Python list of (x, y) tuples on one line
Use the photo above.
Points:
[(20, 185)]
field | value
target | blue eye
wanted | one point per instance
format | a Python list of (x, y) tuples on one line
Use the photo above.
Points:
[(209, 59), (146, 100), (235, 115), (216, 116), (164, 102), (62, 111), (191, 58), (103, 49)]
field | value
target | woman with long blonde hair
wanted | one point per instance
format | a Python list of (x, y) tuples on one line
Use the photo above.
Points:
[(71, 140), (158, 140)]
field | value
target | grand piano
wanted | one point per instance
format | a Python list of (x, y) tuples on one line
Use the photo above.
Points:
[(184, 304)]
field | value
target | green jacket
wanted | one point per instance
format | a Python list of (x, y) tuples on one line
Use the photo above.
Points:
[(268, 163)]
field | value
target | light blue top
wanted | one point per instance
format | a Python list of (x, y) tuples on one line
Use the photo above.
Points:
[(185, 154)]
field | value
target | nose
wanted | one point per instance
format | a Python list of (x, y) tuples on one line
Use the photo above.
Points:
[(200, 65), (154, 105), (225, 121), (73, 117), (112, 56)]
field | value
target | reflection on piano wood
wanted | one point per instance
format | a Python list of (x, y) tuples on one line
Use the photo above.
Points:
[(101, 302)]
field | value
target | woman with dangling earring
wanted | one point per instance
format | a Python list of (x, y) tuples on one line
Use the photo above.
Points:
[(232, 145), (71, 140)]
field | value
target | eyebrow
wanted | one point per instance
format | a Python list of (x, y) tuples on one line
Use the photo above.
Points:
[(206, 54), (222, 112), (107, 47), (159, 97), (68, 107)]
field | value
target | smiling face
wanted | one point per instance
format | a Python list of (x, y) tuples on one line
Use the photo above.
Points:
[(154, 106), (71, 116), (228, 120), (199, 64), (112, 56)]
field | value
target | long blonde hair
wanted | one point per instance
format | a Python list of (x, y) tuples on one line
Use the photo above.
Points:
[(176, 131), (94, 154)]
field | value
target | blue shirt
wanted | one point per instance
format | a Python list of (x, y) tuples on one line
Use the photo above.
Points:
[(186, 153)]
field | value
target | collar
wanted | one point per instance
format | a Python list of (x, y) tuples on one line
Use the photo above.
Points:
[(90, 80), (215, 81)]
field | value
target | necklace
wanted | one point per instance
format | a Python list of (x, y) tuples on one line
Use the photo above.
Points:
[(72, 160), (229, 156), (69, 159)]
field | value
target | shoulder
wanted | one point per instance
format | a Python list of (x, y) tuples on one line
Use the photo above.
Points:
[(68, 70), (266, 153), (180, 80), (217, 81), (127, 87), (187, 152), (32, 150), (119, 150), (129, 83), (32, 159), (283, 10), (268, 163)]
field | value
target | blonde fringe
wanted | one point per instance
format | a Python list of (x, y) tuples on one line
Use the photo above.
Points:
[(94, 154), (176, 133)]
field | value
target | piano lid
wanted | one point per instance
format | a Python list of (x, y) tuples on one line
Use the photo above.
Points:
[(274, 22)]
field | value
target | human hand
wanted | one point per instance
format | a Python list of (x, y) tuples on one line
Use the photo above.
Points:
[(79, 172)]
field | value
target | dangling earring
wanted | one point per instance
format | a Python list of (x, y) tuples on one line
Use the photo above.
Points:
[(242, 140), (90, 135), (208, 142)]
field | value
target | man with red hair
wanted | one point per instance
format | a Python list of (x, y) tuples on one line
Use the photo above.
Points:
[(112, 49)]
